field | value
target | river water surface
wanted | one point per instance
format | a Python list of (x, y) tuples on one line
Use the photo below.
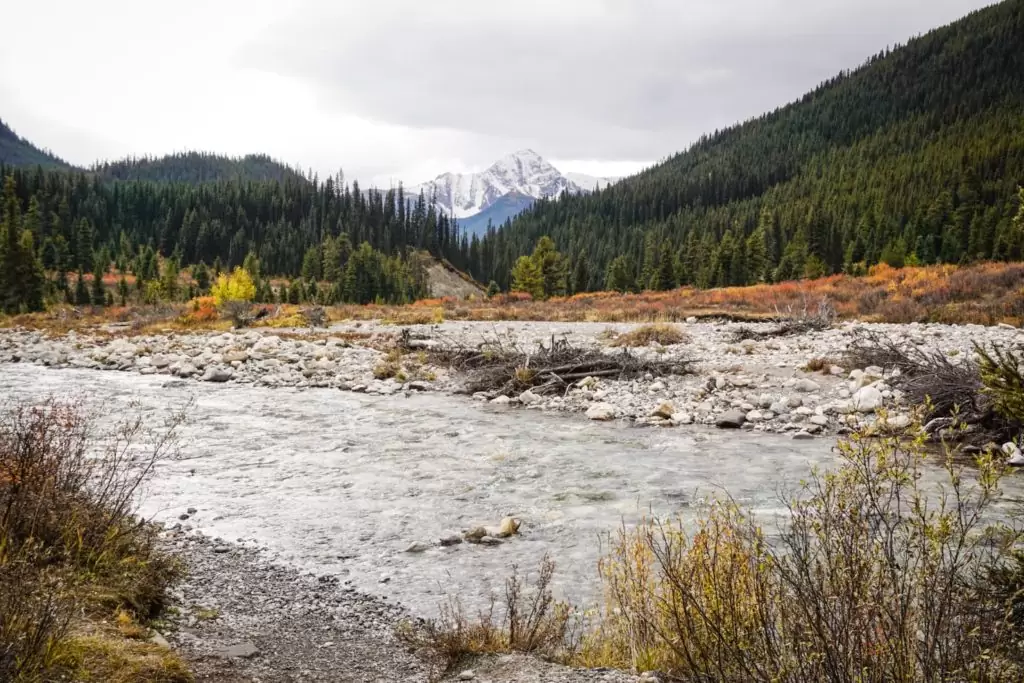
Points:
[(342, 483)]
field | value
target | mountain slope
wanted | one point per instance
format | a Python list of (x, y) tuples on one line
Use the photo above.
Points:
[(916, 154), (502, 209), (197, 167), (524, 173), (16, 151)]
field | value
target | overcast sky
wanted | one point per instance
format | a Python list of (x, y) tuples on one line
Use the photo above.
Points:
[(393, 90)]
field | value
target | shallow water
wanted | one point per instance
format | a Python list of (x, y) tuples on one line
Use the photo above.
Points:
[(337, 482)]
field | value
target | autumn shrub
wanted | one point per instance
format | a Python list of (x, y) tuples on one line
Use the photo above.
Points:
[(873, 576), (528, 619), (662, 333), (70, 543), (200, 310)]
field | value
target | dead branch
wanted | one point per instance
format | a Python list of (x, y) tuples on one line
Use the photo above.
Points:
[(504, 368)]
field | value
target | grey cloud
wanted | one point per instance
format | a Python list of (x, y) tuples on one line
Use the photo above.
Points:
[(611, 79)]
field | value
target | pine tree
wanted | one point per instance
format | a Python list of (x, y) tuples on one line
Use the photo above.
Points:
[(665, 275), (551, 266), (620, 275), (82, 297), (98, 294), (528, 277), (122, 290), (581, 274), (202, 277)]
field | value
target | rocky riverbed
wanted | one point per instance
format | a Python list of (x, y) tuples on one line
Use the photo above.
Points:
[(335, 489), (756, 385)]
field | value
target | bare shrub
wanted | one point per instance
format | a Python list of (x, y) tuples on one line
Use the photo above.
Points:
[(69, 538), (34, 616), (984, 396), (315, 316), (532, 621), (874, 577), (792, 321), (240, 313), (662, 333)]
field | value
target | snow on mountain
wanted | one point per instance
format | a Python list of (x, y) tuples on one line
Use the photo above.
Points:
[(589, 182), (524, 173)]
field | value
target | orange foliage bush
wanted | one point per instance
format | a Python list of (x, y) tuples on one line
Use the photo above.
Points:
[(200, 310)]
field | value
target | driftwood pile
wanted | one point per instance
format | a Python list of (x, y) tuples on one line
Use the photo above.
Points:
[(507, 369), (792, 322)]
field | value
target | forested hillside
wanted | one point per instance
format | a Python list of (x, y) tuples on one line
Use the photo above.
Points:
[(16, 151), (197, 167), (359, 242), (915, 156)]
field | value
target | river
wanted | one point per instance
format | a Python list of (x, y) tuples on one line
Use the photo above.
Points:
[(342, 483)]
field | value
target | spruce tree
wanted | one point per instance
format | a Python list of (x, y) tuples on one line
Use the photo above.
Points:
[(98, 295), (82, 297)]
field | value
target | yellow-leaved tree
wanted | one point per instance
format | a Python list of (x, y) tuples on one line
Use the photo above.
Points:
[(238, 286)]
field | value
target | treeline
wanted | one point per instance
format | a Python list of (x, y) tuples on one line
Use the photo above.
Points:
[(197, 167), (360, 243), (914, 157)]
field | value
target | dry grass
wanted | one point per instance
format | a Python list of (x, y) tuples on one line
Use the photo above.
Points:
[(532, 621), (662, 333)]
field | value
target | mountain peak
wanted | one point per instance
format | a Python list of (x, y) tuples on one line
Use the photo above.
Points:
[(523, 173)]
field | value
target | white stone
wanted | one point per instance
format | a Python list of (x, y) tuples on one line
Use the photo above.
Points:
[(867, 400), (806, 386), (501, 400), (529, 398), (601, 411)]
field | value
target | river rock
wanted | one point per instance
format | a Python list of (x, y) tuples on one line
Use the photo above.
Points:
[(730, 419), (807, 386), (601, 411), (215, 374), (501, 400), (244, 650), (529, 398), (418, 547), (664, 411), (867, 400)]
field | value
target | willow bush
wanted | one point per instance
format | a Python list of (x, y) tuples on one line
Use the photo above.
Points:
[(874, 575)]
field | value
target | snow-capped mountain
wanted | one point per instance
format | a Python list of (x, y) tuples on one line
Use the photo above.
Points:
[(523, 173)]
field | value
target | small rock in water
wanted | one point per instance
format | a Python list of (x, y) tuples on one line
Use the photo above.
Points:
[(450, 541), (529, 398), (418, 547), (731, 419), (664, 411), (801, 436), (490, 540), (215, 374), (501, 400), (601, 411)]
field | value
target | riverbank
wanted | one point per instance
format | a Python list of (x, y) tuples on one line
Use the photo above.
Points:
[(743, 376), (237, 617)]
